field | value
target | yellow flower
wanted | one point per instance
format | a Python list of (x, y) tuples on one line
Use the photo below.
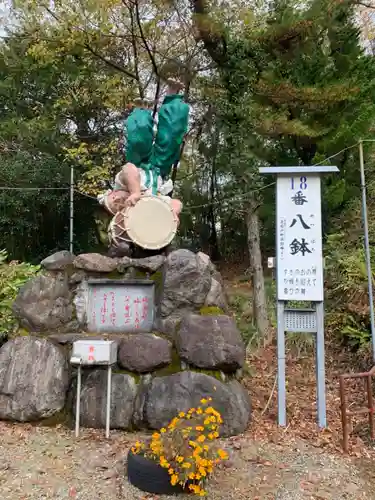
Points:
[(174, 480), (186, 465), (179, 459), (170, 471), (191, 475), (202, 471), (222, 454), (202, 493), (181, 414), (156, 435), (192, 410), (209, 399), (205, 447), (192, 487), (173, 423), (199, 428), (163, 431), (201, 438), (164, 462), (204, 401), (197, 451), (210, 436), (199, 411)]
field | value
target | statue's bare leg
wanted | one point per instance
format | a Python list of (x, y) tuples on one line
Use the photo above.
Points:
[(176, 206), (174, 86), (131, 180)]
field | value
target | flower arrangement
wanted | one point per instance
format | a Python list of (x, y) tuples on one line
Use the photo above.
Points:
[(187, 448)]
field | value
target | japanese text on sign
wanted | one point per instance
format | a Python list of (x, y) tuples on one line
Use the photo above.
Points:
[(299, 238), (120, 308)]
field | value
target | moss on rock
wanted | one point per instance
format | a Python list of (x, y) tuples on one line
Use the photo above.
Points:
[(173, 367), (114, 275), (62, 417), (20, 332), (211, 311), (136, 376), (212, 373)]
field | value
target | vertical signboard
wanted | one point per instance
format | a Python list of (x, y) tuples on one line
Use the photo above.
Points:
[(299, 238), (299, 262)]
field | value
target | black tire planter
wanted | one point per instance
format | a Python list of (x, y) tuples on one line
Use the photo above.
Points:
[(150, 477)]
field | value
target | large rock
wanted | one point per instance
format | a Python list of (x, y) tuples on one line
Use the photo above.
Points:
[(139, 417), (43, 303), (142, 353), (58, 261), (148, 264), (211, 342), (94, 400), (187, 281), (168, 326), (95, 262), (34, 378), (167, 396), (216, 296)]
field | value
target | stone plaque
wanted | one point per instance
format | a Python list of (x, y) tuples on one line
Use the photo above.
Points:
[(120, 306)]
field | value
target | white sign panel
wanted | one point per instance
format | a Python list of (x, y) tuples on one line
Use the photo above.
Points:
[(299, 238)]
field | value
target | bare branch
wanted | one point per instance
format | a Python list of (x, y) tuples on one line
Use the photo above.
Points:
[(87, 46), (110, 63), (150, 54), (135, 51), (368, 5)]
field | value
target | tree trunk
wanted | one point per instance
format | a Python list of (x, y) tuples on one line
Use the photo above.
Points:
[(256, 269)]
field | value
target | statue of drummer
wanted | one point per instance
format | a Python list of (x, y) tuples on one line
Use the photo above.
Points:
[(150, 156)]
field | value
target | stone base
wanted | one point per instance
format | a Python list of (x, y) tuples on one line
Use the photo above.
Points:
[(56, 300), (150, 383), (194, 352)]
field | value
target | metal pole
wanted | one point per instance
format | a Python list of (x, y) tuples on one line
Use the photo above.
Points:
[(108, 412), (281, 392), (71, 217), (78, 399), (367, 247), (320, 367)]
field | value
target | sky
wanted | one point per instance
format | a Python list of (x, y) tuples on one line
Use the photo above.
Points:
[(4, 12)]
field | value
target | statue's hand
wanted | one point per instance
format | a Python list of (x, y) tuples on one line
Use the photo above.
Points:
[(132, 199)]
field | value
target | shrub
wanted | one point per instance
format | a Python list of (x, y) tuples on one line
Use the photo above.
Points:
[(12, 276), (347, 293), (187, 447)]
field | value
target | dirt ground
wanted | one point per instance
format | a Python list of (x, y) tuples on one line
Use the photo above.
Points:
[(266, 462), (44, 463)]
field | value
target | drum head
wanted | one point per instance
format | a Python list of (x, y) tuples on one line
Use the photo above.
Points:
[(151, 223)]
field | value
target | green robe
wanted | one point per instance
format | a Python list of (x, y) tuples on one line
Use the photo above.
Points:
[(156, 154)]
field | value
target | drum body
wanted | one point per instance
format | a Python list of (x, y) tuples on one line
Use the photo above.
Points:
[(150, 224)]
